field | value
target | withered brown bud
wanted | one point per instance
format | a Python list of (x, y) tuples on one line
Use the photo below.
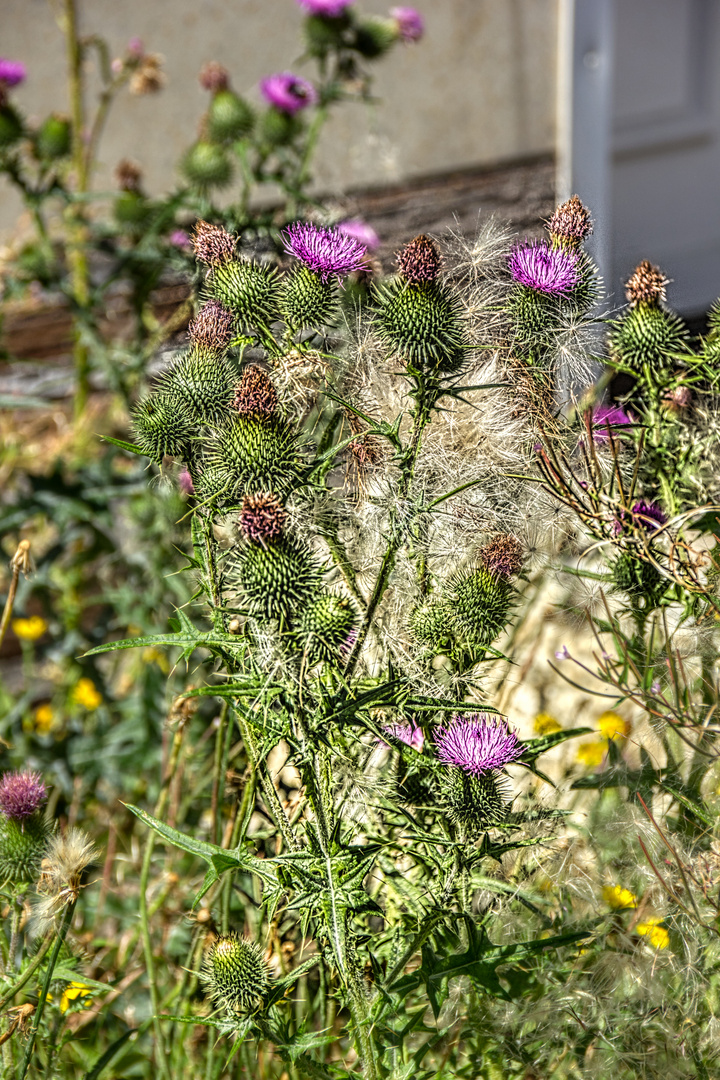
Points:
[(646, 285), (148, 78), (420, 261), (213, 326), (502, 556), (212, 244), (255, 394), (262, 518), (128, 175), (214, 77), (570, 223)]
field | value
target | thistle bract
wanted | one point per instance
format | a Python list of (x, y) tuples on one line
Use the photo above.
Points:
[(645, 336), (53, 138), (306, 300), (480, 601), (248, 289), (325, 625), (473, 801), (22, 845), (256, 455), (276, 579), (202, 384), (234, 974), (420, 324), (162, 426)]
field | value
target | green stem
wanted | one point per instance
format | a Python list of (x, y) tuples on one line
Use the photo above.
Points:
[(62, 934), (27, 973)]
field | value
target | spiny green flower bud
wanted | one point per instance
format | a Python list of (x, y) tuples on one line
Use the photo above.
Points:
[(374, 36), (161, 426), (53, 138), (306, 301), (276, 579), (22, 845), (475, 802), (637, 577), (206, 165), (257, 455), (250, 290), (480, 601), (279, 128), (420, 324), (326, 625), (131, 208), (215, 485), (536, 318), (11, 127), (229, 117), (234, 974), (323, 33), (647, 335), (203, 384), (431, 623)]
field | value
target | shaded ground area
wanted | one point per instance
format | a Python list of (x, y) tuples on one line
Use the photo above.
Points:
[(521, 194)]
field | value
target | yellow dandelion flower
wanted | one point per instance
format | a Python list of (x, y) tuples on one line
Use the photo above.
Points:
[(656, 934), (87, 695), (29, 629), (615, 896), (592, 754), (44, 718), (72, 992), (155, 656), (612, 726), (545, 724)]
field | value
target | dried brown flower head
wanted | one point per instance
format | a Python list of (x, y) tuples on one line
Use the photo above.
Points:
[(128, 175), (502, 556), (255, 394), (646, 285), (420, 261), (212, 327), (212, 244), (214, 77), (147, 77), (571, 222), (262, 518)]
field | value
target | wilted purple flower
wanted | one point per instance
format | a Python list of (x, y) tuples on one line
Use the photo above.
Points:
[(362, 232), (287, 92), (478, 743), (406, 733), (330, 9), (325, 251), (185, 482), (538, 265), (180, 239), (12, 72), (605, 415), (21, 794), (409, 22)]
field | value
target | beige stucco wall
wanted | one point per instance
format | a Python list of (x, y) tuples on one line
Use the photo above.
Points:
[(477, 90)]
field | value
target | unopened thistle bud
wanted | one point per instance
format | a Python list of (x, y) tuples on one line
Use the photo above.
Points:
[(11, 126), (637, 577), (420, 324), (262, 518), (248, 289), (570, 224), (647, 334), (214, 77), (53, 138), (374, 36), (202, 384), (276, 580), (254, 454), (234, 974), (306, 301), (420, 261), (212, 245), (255, 394), (213, 327), (206, 165), (162, 427), (229, 117), (431, 623), (503, 556), (480, 601), (325, 624), (23, 830)]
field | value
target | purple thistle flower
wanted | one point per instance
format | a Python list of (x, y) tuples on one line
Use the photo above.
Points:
[(325, 251), (362, 232), (538, 265), (650, 514), (21, 794), (328, 9), (409, 22), (478, 743), (407, 734), (12, 72), (185, 482), (605, 415), (288, 93), (180, 239)]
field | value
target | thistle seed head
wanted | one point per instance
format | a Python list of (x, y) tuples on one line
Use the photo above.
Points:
[(420, 261)]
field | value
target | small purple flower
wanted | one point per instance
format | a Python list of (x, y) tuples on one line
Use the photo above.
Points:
[(538, 265), (406, 733), (12, 72), (607, 415), (185, 482), (478, 743), (21, 794), (288, 93), (409, 22), (650, 514), (136, 47), (362, 232), (656, 688), (325, 251), (180, 239), (328, 9), (563, 654)]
